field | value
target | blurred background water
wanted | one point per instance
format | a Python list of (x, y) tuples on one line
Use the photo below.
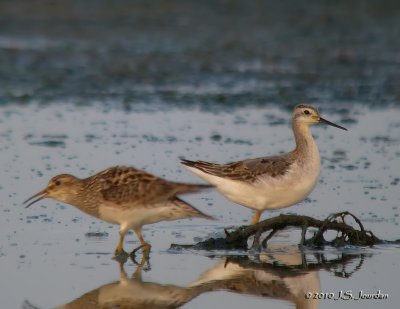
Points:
[(213, 53), (85, 85)]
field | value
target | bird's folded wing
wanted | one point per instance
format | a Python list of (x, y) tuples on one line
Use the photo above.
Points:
[(122, 185), (247, 170)]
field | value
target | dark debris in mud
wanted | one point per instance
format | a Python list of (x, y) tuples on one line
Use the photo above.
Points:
[(346, 234)]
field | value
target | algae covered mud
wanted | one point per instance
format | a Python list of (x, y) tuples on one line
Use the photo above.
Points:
[(88, 85)]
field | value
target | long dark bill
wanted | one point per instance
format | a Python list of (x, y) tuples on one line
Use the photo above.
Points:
[(41, 194), (331, 123)]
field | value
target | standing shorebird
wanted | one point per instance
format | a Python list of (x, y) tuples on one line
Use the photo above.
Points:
[(270, 182), (125, 196)]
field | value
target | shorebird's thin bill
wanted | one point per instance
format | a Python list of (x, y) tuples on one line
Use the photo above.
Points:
[(42, 194), (331, 123)]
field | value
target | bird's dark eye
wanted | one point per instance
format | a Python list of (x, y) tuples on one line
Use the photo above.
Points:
[(58, 183), (307, 112)]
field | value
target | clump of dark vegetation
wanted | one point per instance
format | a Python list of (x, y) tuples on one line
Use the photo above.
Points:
[(346, 233)]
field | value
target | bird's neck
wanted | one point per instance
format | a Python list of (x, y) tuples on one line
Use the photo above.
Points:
[(73, 196), (83, 201), (305, 144)]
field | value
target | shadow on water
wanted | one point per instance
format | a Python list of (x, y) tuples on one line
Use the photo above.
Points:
[(283, 273)]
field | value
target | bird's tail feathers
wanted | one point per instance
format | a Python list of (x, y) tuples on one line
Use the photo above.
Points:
[(191, 211), (184, 188)]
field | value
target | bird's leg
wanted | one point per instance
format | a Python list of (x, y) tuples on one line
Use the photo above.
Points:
[(256, 217), (145, 250), (122, 273), (137, 274), (120, 248), (303, 233), (143, 264), (143, 245)]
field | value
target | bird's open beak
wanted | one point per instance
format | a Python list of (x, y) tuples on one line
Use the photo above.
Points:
[(322, 120), (42, 194)]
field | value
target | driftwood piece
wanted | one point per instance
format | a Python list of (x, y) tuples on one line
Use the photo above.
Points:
[(346, 233)]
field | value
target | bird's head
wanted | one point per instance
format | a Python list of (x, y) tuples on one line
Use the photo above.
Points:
[(62, 187), (309, 115)]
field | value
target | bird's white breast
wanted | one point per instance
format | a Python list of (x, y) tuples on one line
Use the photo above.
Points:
[(139, 215), (271, 192), (289, 189), (133, 216)]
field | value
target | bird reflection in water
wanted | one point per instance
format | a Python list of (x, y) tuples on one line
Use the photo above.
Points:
[(133, 292), (282, 273)]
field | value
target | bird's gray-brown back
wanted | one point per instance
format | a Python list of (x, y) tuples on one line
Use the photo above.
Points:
[(247, 170)]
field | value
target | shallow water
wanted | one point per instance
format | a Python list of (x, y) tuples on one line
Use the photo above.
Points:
[(52, 254), (90, 84)]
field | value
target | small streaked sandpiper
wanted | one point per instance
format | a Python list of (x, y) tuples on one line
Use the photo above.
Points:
[(271, 182), (125, 196)]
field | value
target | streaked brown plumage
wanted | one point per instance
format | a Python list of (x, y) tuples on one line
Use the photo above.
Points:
[(124, 195)]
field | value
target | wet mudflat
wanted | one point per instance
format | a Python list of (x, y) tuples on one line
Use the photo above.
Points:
[(90, 84), (53, 254)]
